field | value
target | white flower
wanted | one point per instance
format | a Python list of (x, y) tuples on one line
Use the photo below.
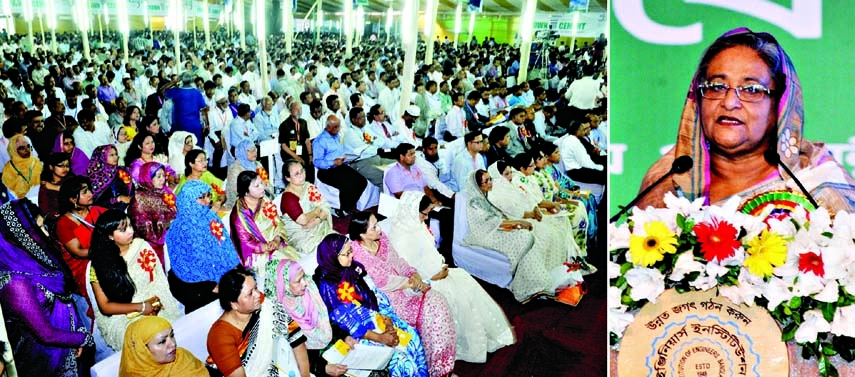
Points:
[(646, 283), (715, 270), (685, 264), (619, 236), (668, 216), (844, 321), (613, 269), (812, 325), (748, 288), (737, 259), (829, 293), (618, 321), (614, 298), (776, 291), (683, 205), (704, 282)]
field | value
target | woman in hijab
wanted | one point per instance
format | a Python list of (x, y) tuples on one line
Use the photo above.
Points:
[(79, 160), (153, 207), (729, 136), (36, 295), (247, 160), (150, 350), (112, 186), (199, 248), (123, 141), (537, 257), (480, 323), (363, 311), (21, 174), (298, 294), (180, 143)]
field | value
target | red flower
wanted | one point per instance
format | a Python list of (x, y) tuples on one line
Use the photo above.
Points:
[(347, 294), (125, 176), (217, 190), (269, 210), (263, 174), (217, 230), (314, 194), (718, 240), (811, 262), (147, 261), (366, 137)]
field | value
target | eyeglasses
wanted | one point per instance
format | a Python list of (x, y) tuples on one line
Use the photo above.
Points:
[(747, 93), (24, 147)]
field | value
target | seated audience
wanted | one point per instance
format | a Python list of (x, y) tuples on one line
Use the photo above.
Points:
[(332, 170), (150, 350), (58, 170), (65, 144), (112, 186), (305, 213), (469, 159), (435, 171), (153, 207), (199, 249), (127, 278), (21, 174), (75, 226), (143, 150), (196, 169), (246, 159)]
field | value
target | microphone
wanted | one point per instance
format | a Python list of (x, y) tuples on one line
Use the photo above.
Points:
[(680, 165), (773, 158)]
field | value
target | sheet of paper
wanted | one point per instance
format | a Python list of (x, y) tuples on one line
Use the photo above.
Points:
[(361, 357)]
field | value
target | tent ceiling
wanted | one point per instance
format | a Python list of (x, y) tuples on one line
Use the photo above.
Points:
[(489, 6)]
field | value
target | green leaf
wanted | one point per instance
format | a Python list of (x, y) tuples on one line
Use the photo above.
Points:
[(825, 367), (787, 310), (828, 349), (795, 302), (827, 311), (789, 332)]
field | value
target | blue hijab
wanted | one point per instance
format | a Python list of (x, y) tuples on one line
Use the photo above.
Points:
[(197, 254), (240, 153)]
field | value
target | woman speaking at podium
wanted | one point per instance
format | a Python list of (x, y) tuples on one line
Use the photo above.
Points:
[(741, 124)]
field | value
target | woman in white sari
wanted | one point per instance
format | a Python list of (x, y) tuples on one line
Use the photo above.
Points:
[(180, 143), (304, 211), (480, 323)]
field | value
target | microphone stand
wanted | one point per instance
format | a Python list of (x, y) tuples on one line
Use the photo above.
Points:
[(638, 198)]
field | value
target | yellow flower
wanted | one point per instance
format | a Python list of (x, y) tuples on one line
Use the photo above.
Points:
[(765, 252), (648, 249)]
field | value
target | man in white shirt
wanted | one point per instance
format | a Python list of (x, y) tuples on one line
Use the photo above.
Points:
[(246, 96), (455, 120), (435, 170), (361, 147), (583, 94), (381, 127), (219, 118), (580, 167), (90, 135), (266, 120), (468, 160)]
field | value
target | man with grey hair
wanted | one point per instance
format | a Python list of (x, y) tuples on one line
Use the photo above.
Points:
[(187, 103), (329, 158)]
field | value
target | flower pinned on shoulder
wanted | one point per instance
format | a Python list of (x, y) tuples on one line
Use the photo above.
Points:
[(217, 189), (347, 294), (217, 230), (124, 176), (314, 195), (366, 137), (270, 211), (169, 199), (263, 175), (147, 261)]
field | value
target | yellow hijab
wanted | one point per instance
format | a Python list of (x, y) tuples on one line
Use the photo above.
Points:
[(21, 174), (137, 359)]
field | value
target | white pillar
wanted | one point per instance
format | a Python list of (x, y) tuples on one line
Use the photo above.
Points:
[(124, 25), (206, 24), (50, 11), (261, 34), (430, 30), (241, 23), (458, 15), (81, 12), (388, 24), (409, 41), (347, 23), (526, 31), (288, 25), (319, 21), (28, 16)]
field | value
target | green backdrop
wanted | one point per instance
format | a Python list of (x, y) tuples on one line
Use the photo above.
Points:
[(655, 48)]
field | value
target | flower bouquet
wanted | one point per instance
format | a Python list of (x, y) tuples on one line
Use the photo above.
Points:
[(798, 265)]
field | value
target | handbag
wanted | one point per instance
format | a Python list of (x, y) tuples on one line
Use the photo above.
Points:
[(572, 294)]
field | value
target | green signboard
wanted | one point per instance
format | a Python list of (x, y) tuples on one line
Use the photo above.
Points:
[(655, 48)]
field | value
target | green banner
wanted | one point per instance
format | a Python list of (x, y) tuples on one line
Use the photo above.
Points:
[(655, 49)]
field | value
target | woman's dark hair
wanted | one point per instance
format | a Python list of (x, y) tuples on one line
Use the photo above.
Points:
[(145, 122), (109, 266), (53, 160), (231, 284), (358, 224), (286, 168), (71, 189), (424, 203), (501, 165), (244, 179), (68, 134), (126, 120), (135, 150), (479, 176), (497, 134), (573, 128), (189, 159), (766, 47), (522, 161), (547, 148)]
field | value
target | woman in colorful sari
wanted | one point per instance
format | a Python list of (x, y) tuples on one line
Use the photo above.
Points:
[(246, 154), (141, 151), (79, 160), (411, 296), (480, 323), (21, 174), (729, 136), (254, 336), (36, 295), (568, 189), (127, 278), (153, 207), (299, 295), (199, 249), (196, 169), (58, 170), (75, 226), (150, 350), (256, 229), (537, 254), (111, 184), (357, 306), (305, 213), (180, 143)]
